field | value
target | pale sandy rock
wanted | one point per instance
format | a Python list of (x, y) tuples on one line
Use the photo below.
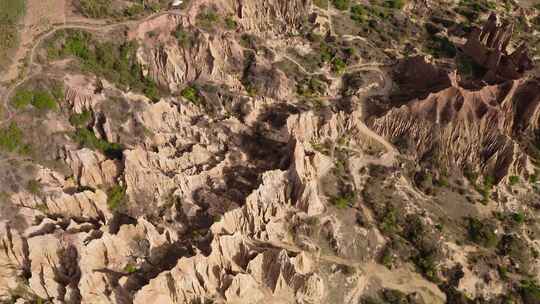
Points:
[(91, 168)]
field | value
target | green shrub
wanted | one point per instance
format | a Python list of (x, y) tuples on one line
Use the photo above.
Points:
[(43, 100), (88, 139), (359, 13), (134, 10), (95, 8), (395, 4), (22, 98), (117, 62), (513, 180), (341, 4), (186, 39), (34, 187), (11, 140), (482, 233), (230, 23), (338, 65), (116, 196), (344, 201), (530, 292), (311, 87), (11, 11), (192, 94), (208, 18), (82, 119), (321, 3)]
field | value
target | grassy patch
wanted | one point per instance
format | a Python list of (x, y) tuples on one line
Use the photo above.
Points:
[(42, 100), (192, 95), (311, 87), (34, 187), (321, 3), (11, 12), (80, 120), (345, 200), (116, 197), (341, 4), (482, 232), (513, 180), (208, 18), (472, 9), (12, 140), (88, 139), (115, 61)]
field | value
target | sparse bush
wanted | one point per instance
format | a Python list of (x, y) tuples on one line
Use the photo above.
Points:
[(22, 98), (311, 87), (513, 180), (39, 99), (344, 201), (134, 10), (186, 39), (11, 140), (395, 4), (82, 119), (95, 8), (341, 4), (482, 232), (87, 138), (116, 196), (230, 23), (208, 18), (530, 292), (116, 62), (43, 100), (192, 94), (321, 3), (34, 187), (338, 65)]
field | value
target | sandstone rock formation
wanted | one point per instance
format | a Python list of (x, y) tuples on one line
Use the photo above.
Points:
[(488, 48)]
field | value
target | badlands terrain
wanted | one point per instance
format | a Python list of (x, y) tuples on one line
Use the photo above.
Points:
[(270, 151)]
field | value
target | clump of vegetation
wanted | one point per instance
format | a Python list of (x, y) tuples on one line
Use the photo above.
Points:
[(311, 87), (530, 292), (11, 140), (321, 3), (10, 13), (482, 232), (513, 180), (95, 8), (129, 268), (192, 94), (345, 200), (34, 187), (134, 10), (40, 99), (472, 9), (186, 38), (87, 138), (116, 196), (80, 120), (395, 4), (341, 4), (114, 61), (230, 23), (208, 18)]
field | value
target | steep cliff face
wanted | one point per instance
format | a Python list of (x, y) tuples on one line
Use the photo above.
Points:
[(482, 130)]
